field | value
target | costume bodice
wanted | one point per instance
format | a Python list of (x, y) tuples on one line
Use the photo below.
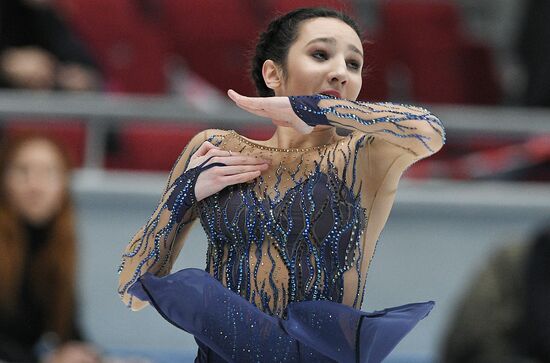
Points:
[(306, 228), (296, 232)]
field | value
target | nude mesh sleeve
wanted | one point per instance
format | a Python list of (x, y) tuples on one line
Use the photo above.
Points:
[(156, 245), (412, 128)]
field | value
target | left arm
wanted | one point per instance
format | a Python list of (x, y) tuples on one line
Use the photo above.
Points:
[(413, 130)]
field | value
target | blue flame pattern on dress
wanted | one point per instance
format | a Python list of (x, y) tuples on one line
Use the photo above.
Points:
[(299, 231), (313, 230), (309, 109)]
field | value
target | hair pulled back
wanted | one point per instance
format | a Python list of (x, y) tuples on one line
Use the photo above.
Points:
[(281, 33)]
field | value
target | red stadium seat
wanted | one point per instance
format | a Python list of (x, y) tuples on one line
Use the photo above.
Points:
[(479, 74), (284, 6), (70, 134), (421, 22), (375, 72), (425, 37), (215, 38), (128, 45), (151, 146)]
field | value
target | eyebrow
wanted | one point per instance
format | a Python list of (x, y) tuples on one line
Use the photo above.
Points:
[(331, 40)]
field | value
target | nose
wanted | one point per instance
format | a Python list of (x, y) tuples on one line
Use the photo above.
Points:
[(338, 74), (34, 184)]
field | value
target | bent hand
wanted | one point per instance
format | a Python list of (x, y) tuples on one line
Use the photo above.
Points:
[(278, 109), (237, 168)]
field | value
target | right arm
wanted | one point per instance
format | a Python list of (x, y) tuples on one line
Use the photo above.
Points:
[(201, 170), (152, 247)]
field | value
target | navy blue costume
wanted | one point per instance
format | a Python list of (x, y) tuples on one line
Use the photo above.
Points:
[(288, 253)]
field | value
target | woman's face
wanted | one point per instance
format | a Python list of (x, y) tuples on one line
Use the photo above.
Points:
[(326, 56), (36, 181)]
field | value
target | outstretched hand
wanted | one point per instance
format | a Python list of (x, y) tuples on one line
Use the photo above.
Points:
[(278, 109)]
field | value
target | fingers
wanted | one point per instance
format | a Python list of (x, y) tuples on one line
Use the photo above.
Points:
[(234, 95), (237, 160), (241, 178), (253, 104), (241, 169), (236, 169), (250, 104), (255, 111), (219, 152), (204, 149), (213, 156), (278, 109)]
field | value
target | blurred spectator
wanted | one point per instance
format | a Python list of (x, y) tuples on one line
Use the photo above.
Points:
[(504, 316), (125, 40), (496, 23), (38, 51), (534, 49), (38, 259), (424, 56)]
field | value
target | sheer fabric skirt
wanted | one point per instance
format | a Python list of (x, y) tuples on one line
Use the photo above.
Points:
[(228, 328)]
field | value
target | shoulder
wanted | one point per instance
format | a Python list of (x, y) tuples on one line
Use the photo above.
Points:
[(356, 142), (214, 136), (370, 141), (360, 139), (382, 151)]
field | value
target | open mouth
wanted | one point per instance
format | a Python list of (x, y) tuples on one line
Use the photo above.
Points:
[(331, 93)]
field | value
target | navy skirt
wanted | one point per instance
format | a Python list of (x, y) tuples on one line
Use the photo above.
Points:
[(229, 328)]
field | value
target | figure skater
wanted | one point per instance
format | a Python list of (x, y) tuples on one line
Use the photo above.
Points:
[(292, 222)]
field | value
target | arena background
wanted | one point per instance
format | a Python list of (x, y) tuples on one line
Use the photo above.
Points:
[(164, 67)]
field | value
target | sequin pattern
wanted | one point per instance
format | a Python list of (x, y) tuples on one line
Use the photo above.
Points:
[(327, 110), (162, 233), (299, 231), (276, 244)]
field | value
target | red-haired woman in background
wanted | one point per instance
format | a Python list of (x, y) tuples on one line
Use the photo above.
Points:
[(38, 259)]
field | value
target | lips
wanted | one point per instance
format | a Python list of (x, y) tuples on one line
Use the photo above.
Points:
[(330, 92)]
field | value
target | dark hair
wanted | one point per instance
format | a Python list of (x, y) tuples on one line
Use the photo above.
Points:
[(53, 268), (275, 42)]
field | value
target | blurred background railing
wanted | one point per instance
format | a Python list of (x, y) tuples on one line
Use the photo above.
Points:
[(140, 132)]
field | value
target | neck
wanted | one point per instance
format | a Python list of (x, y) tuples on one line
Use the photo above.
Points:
[(288, 138)]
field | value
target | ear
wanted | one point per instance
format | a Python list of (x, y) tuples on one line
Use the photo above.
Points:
[(272, 74)]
